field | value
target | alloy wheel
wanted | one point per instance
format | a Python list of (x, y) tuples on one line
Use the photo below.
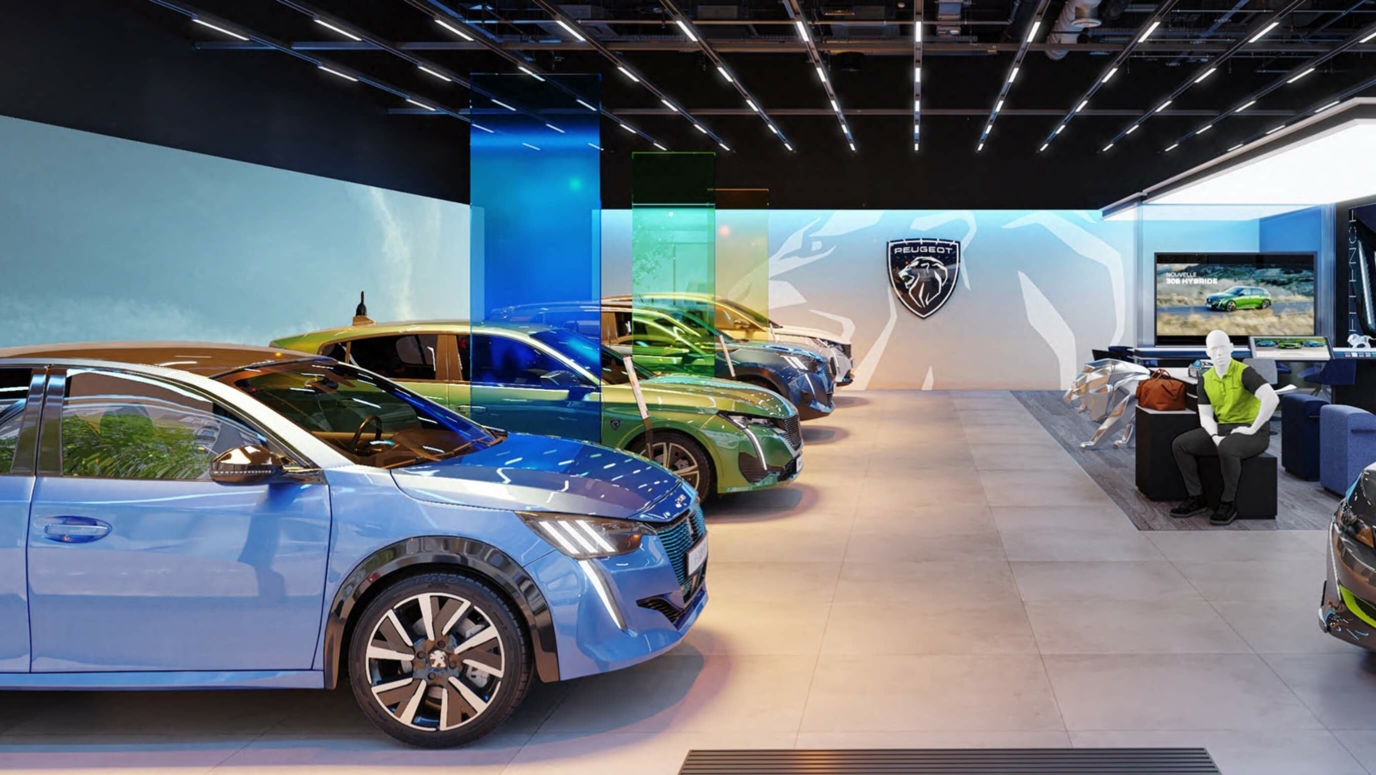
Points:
[(435, 662), (678, 459)]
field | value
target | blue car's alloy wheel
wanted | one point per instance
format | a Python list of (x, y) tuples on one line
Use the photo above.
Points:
[(438, 661)]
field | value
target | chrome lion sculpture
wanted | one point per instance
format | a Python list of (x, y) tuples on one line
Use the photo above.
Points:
[(1106, 391)]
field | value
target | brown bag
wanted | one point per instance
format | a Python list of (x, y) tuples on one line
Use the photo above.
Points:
[(1161, 392)]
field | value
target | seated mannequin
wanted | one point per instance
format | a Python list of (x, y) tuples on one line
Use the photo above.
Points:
[(1235, 408)]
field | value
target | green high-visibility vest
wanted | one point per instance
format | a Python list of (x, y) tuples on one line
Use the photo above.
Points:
[(1233, 404)]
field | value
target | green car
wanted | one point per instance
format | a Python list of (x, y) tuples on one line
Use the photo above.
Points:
[(719, 436), (1239, 297)]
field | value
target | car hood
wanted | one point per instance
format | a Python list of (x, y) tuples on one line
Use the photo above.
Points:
[(815, 333), (545, 474), (720, 394)]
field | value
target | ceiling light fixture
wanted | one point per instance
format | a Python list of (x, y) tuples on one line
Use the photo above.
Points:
[(530, 73), (789, 147), (1368, 38), (1149, 31), (1013, 76), (338, 74), (1301, 75), (752, 105), (1274, 130), (1043, 148), (835, 107), (669, 105), (437, 74), (999, 106), (555, 128), (852, 147), (821, 76), (1329, 105), (532, 147), (1235, 147), (1131, 129), (723, 147), (343, 32), (917, 74), (1106, 147), (420, 105), (979, 147), (660, 147), (1081, 106), (628, 73), (1059, 129), (570, 30), (1206, 74), (699, 128), (455, 30), (1032, 33), (1203, 129), (598, 147), (802, 31), (682, 25), (221, 30), (628, 128), (1172, 148), (489, 131), (773, 129), (586, 105), (1112, 71), (724, 74), (1265, 31), (917, 33), (1163, 106), (499, 103), (1244, 107)]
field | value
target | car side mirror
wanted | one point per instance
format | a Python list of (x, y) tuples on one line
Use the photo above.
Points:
[(249, 464)]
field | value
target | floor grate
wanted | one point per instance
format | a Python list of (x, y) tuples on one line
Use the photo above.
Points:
[(1032, 761)]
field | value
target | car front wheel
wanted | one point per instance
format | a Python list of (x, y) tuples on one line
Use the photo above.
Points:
[(1265, 303), (438, 660), (682, 455), (1231, 306)]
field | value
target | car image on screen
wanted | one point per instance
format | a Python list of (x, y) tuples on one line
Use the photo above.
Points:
[(1239, 297)]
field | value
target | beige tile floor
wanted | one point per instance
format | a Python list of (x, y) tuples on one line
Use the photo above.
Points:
[(943, 574)]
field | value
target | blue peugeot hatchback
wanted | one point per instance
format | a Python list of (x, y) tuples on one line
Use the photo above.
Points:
[(177, 516)]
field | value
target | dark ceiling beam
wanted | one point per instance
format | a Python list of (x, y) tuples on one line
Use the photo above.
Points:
[(807, 37), (335, 69), (725, 71), (1024, 44), (1110, 70), (1254, 34), (1292, 76), (591, 41), (900, 47)]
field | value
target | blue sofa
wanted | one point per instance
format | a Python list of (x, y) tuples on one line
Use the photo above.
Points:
[(1299, 434), (1347, 444)]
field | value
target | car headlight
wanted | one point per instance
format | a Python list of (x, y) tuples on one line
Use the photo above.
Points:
[(796, 362), (583, 537), (744, 421)]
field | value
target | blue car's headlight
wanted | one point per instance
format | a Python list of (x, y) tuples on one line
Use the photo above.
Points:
[(582, 537)]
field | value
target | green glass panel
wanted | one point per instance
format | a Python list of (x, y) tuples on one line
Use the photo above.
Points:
[(673, 263)]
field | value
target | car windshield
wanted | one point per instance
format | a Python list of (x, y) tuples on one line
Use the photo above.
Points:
[(759, 318), (1238, 291), (590, 355), (371, 420)]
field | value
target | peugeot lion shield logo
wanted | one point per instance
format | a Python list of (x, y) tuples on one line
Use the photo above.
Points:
[(923, 272)]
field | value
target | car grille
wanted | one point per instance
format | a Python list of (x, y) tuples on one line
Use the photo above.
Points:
[(678, 537), (752, 468), (791, 429), (789, 470)]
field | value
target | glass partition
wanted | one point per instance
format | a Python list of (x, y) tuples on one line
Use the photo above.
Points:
[(530, 361), (743, 263)]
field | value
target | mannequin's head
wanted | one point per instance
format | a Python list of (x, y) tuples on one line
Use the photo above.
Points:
[(1220, 349)]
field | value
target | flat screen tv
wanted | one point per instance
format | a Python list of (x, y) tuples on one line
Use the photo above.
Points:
[(1244, 294)]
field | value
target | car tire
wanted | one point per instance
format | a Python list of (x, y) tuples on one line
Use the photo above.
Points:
[(684, 453), (1231, 306), (1265, 303), (459, 684)]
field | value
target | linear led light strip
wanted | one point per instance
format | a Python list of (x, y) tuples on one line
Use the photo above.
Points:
[(1329, 103), (334, 69), (795, 12), (591, 40), (1364, 35), (1007, 86), (1148, 27), (917, 73), (1209, 68), (722, 69)]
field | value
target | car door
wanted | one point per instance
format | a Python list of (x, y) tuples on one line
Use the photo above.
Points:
[(139, 562), (21, 395), (516, 386)]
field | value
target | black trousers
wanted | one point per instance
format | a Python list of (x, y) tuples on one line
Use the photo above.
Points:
[(1236, 447)]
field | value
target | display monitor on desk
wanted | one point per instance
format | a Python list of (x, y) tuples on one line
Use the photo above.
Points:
[(1291, 348)]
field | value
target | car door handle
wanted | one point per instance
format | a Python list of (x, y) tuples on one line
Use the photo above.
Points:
[(75, 530)]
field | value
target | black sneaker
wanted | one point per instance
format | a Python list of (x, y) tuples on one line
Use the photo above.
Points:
[(1195, 504), (1226, 513)]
